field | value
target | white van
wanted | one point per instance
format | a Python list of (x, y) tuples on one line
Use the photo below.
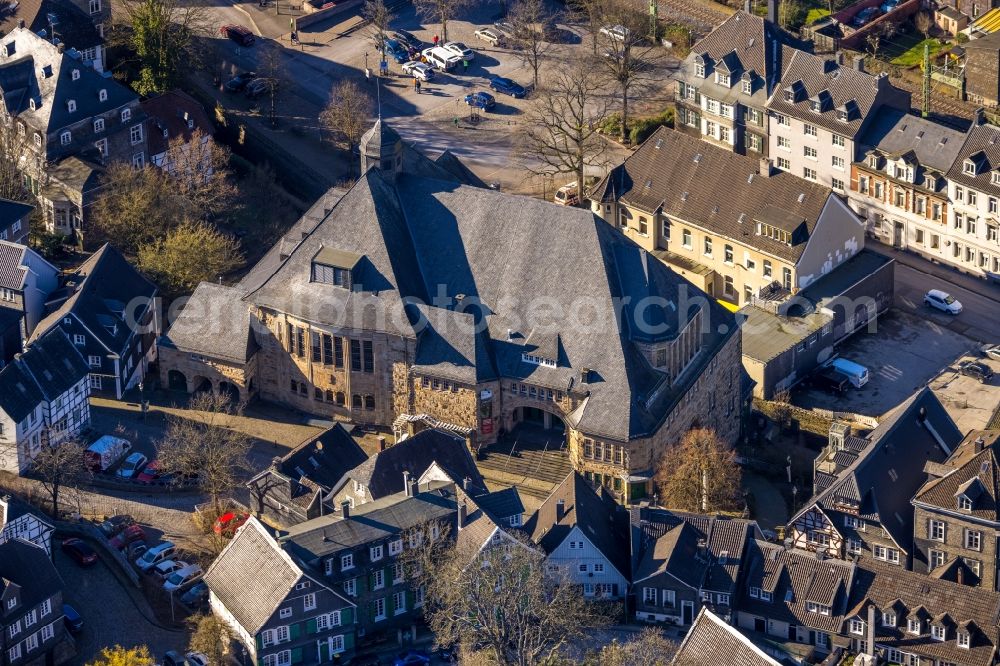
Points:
[(856, 374), (440, 58)]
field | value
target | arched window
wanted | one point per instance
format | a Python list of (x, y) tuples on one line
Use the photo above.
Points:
[(356, 401), (341, 398), (370, 402), (329, 395)]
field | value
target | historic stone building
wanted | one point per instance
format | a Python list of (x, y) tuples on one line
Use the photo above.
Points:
[(420, 294)]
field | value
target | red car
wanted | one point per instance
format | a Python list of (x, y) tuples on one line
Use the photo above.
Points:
[(229, 522), (130, 534), (238, 34), (150, 473), (81, 553)]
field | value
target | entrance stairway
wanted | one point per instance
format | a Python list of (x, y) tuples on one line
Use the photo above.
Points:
[(531, 458)]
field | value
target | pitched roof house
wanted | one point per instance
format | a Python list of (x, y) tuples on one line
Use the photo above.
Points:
[(26, 280), (31, 617), (60, 21), (174, 115), (108, 309), (14, 220), (19, 520), (584, 534), (278, 610), (712, 640), (294, 488), (863, 485), (43, 400)]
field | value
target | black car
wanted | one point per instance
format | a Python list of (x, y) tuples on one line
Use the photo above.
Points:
[(196, 596), (116, 524), (73, 620), (830, 380), (979, 371), (408, 39), (259, 87), (240, 81)]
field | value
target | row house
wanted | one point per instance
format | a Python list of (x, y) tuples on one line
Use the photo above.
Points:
[(281, 613), (31, 608), (14, 219), (62, 22), (899, 183), (819, 110), (58, 108), (685, 563), (20, 520), (44, 400), (863, 485), (379, 314), (770, 231), (974, 181), (724, 83), (109, 311), (956, 518), (712, 641), (26, 280)]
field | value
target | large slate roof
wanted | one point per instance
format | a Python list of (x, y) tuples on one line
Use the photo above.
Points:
[(47, 370), (12, 269), (21, 79), (27, 565), (73, 26), (973, 470), (711, 640), (982, 141), (716, 189), (215, 322), (896, 132)]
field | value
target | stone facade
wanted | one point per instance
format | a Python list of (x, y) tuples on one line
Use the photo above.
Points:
[(974, 543), (181, 371)]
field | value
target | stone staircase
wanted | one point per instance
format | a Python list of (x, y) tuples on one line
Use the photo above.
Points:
[(534, 467)]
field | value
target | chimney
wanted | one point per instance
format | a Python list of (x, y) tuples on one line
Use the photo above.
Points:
[(960, 576), (61, 47), (345, 508), (381, 444), (406, 483), (980, 443), (870, 631), (859, 62), (20, 23), (772, 11), (746, 6), (467, 483), (462, 515), (560, 510), (840, 57), (765, 167), (980, 116), (584, 375)]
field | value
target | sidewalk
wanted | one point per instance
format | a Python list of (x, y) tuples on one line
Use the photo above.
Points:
[(985, 288)]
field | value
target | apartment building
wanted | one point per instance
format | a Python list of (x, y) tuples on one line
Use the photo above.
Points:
[(817, 112), (26, 280), (973, 243)]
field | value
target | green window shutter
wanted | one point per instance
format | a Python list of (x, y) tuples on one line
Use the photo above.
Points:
[(260, 643), (296, 655), (295, 630), (411, 599), (324, 650), (346, 616), (349, 641), (311, 627), (390, 603)]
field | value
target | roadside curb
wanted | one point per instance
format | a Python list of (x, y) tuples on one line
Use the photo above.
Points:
[(952, 276)]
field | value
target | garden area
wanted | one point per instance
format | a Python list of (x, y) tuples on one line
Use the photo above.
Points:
[(907, 50)]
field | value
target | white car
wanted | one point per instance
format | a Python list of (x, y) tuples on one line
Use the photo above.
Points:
[(183, 577), (132, 465), (617, 33), (154, 556), (490, 36), (460, 49), (942, 301), (991, 351), (167, 567), (419, 70)]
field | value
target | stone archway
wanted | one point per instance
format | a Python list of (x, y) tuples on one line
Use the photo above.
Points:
[(541, 418), (177, 381), (201, 384), (230, 391)]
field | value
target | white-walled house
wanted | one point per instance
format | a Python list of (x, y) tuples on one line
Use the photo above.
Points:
[(578, 530), (26, 280), (19, 520), (44, 400)]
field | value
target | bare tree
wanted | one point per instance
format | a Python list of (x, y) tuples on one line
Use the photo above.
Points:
[(561, 126), (210, 636), (379, 16), (13, 148), (440, 11), (923, 22), (200, 175), (628, 58), (699, 474), (500, 599), (647, 648), (204, 445), (531, 19), (58, 466), (272, 68), (591, 13), (347, 114)]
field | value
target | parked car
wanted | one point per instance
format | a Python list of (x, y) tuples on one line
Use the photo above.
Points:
[(197, 658), (135, 550), (229, 522), (976, 370), (105, 452), (506, 29), (395, 50), (259, 87), (130, 534), (183, 577), (153, 471), (132, 466), (991, 351), (240, 81), (167, 567), (567, 195), (73, 620), (419, 70), (238, 34), (888, 5), (942, 301), (174, 658), (155, 555), (412, 658), (115, 524), (830, 380), (480, 100), (491, 36), (461, 50), (865, 16), (440, 58), (408, 39), (616, 33), (508, 87), (80, 551), (855, 373), (197, 596)]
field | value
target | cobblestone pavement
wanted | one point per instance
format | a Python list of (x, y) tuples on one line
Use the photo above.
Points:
[(110, 614)]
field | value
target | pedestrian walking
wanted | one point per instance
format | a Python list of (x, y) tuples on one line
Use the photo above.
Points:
[(436, 38), (465, 65), (418, 86)]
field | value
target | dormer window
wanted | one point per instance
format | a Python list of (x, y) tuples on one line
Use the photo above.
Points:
[(969, 168), (747, 86), (331, 275), (75, 74), (964, 640), (770, 231), (842, 115), (913, 625), (538, 360), (32, 104), (98, 124), (857, 626), (888, 619), (71, 105), (789, 95), (930, 182), (873, 161), (126, 115), (995, 178), (102, 95), (336, 267), (699, 70), (65, 138), (964, 503), (938, 632), (722, 79)]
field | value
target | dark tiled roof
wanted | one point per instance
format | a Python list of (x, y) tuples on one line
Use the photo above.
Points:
[(253, 575), (885, 475), (369, 522), (457, 169), (451, 346), (896, 132), (712, 641), (167, 115), (28, 566), (593, 513), (794, 579), (687, 178), (982, 140), (19, 394), (908, 592), (382, 473), (104, 282), (47, 370), (215, 322), (12, 269), (971, 472), (12, 211), (73, 27), (501, 504)]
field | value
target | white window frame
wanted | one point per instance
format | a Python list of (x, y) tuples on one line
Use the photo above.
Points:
[(347, 561), (309, 602)]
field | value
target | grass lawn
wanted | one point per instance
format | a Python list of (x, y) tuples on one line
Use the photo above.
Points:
[(898, 54), (816, 14)]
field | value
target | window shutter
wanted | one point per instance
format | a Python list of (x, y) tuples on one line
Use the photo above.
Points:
[(260, 643), (411, 599), (311, 627), (391, 604), (296, 655), (295, 630), (324, 650), (346, 616)]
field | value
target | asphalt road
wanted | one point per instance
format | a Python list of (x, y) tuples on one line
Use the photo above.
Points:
[(980, 317)]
